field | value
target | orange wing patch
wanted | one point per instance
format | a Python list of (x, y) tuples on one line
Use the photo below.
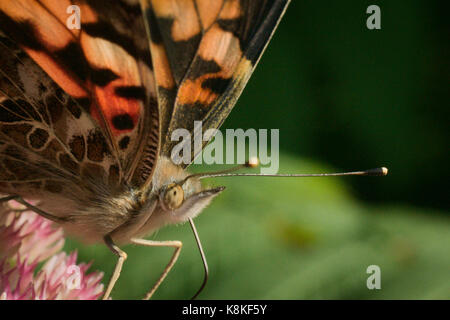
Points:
[(208, 11), (220, 51), (163, 74), (231, 10)]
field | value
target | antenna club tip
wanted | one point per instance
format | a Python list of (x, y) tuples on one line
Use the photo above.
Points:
[(382, 171), (253, 162)]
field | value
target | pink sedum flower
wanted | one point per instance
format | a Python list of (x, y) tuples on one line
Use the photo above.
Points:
[(26, 240)]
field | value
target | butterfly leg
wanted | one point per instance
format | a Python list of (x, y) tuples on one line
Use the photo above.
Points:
[(7, 198), (40, 212), (149, 243), (116, 274)]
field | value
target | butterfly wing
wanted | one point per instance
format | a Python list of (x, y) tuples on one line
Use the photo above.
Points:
[(203, 55), (75, 104), (44, 133)]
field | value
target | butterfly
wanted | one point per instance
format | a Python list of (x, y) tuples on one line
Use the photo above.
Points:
[(88, 107)]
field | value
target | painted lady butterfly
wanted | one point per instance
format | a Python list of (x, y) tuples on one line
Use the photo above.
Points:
[(86, 113)]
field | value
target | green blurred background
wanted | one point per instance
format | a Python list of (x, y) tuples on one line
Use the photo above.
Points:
[(344, 98)]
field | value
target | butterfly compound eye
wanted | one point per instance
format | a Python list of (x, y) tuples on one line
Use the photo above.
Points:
[(173, 197)]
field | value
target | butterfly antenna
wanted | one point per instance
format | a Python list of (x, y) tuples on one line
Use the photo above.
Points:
[(253, 162), (202, 254)]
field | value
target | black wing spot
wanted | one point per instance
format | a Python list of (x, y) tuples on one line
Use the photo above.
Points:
[(216, 85), (131, 92), (123, 143), (102, 77), (201, 67), (123, 122)]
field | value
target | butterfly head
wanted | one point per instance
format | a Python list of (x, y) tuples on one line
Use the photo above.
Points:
[(174, 197), (181, 195), (185, 199)]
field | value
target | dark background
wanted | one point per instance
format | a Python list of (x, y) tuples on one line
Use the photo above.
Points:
[(356, 98)]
